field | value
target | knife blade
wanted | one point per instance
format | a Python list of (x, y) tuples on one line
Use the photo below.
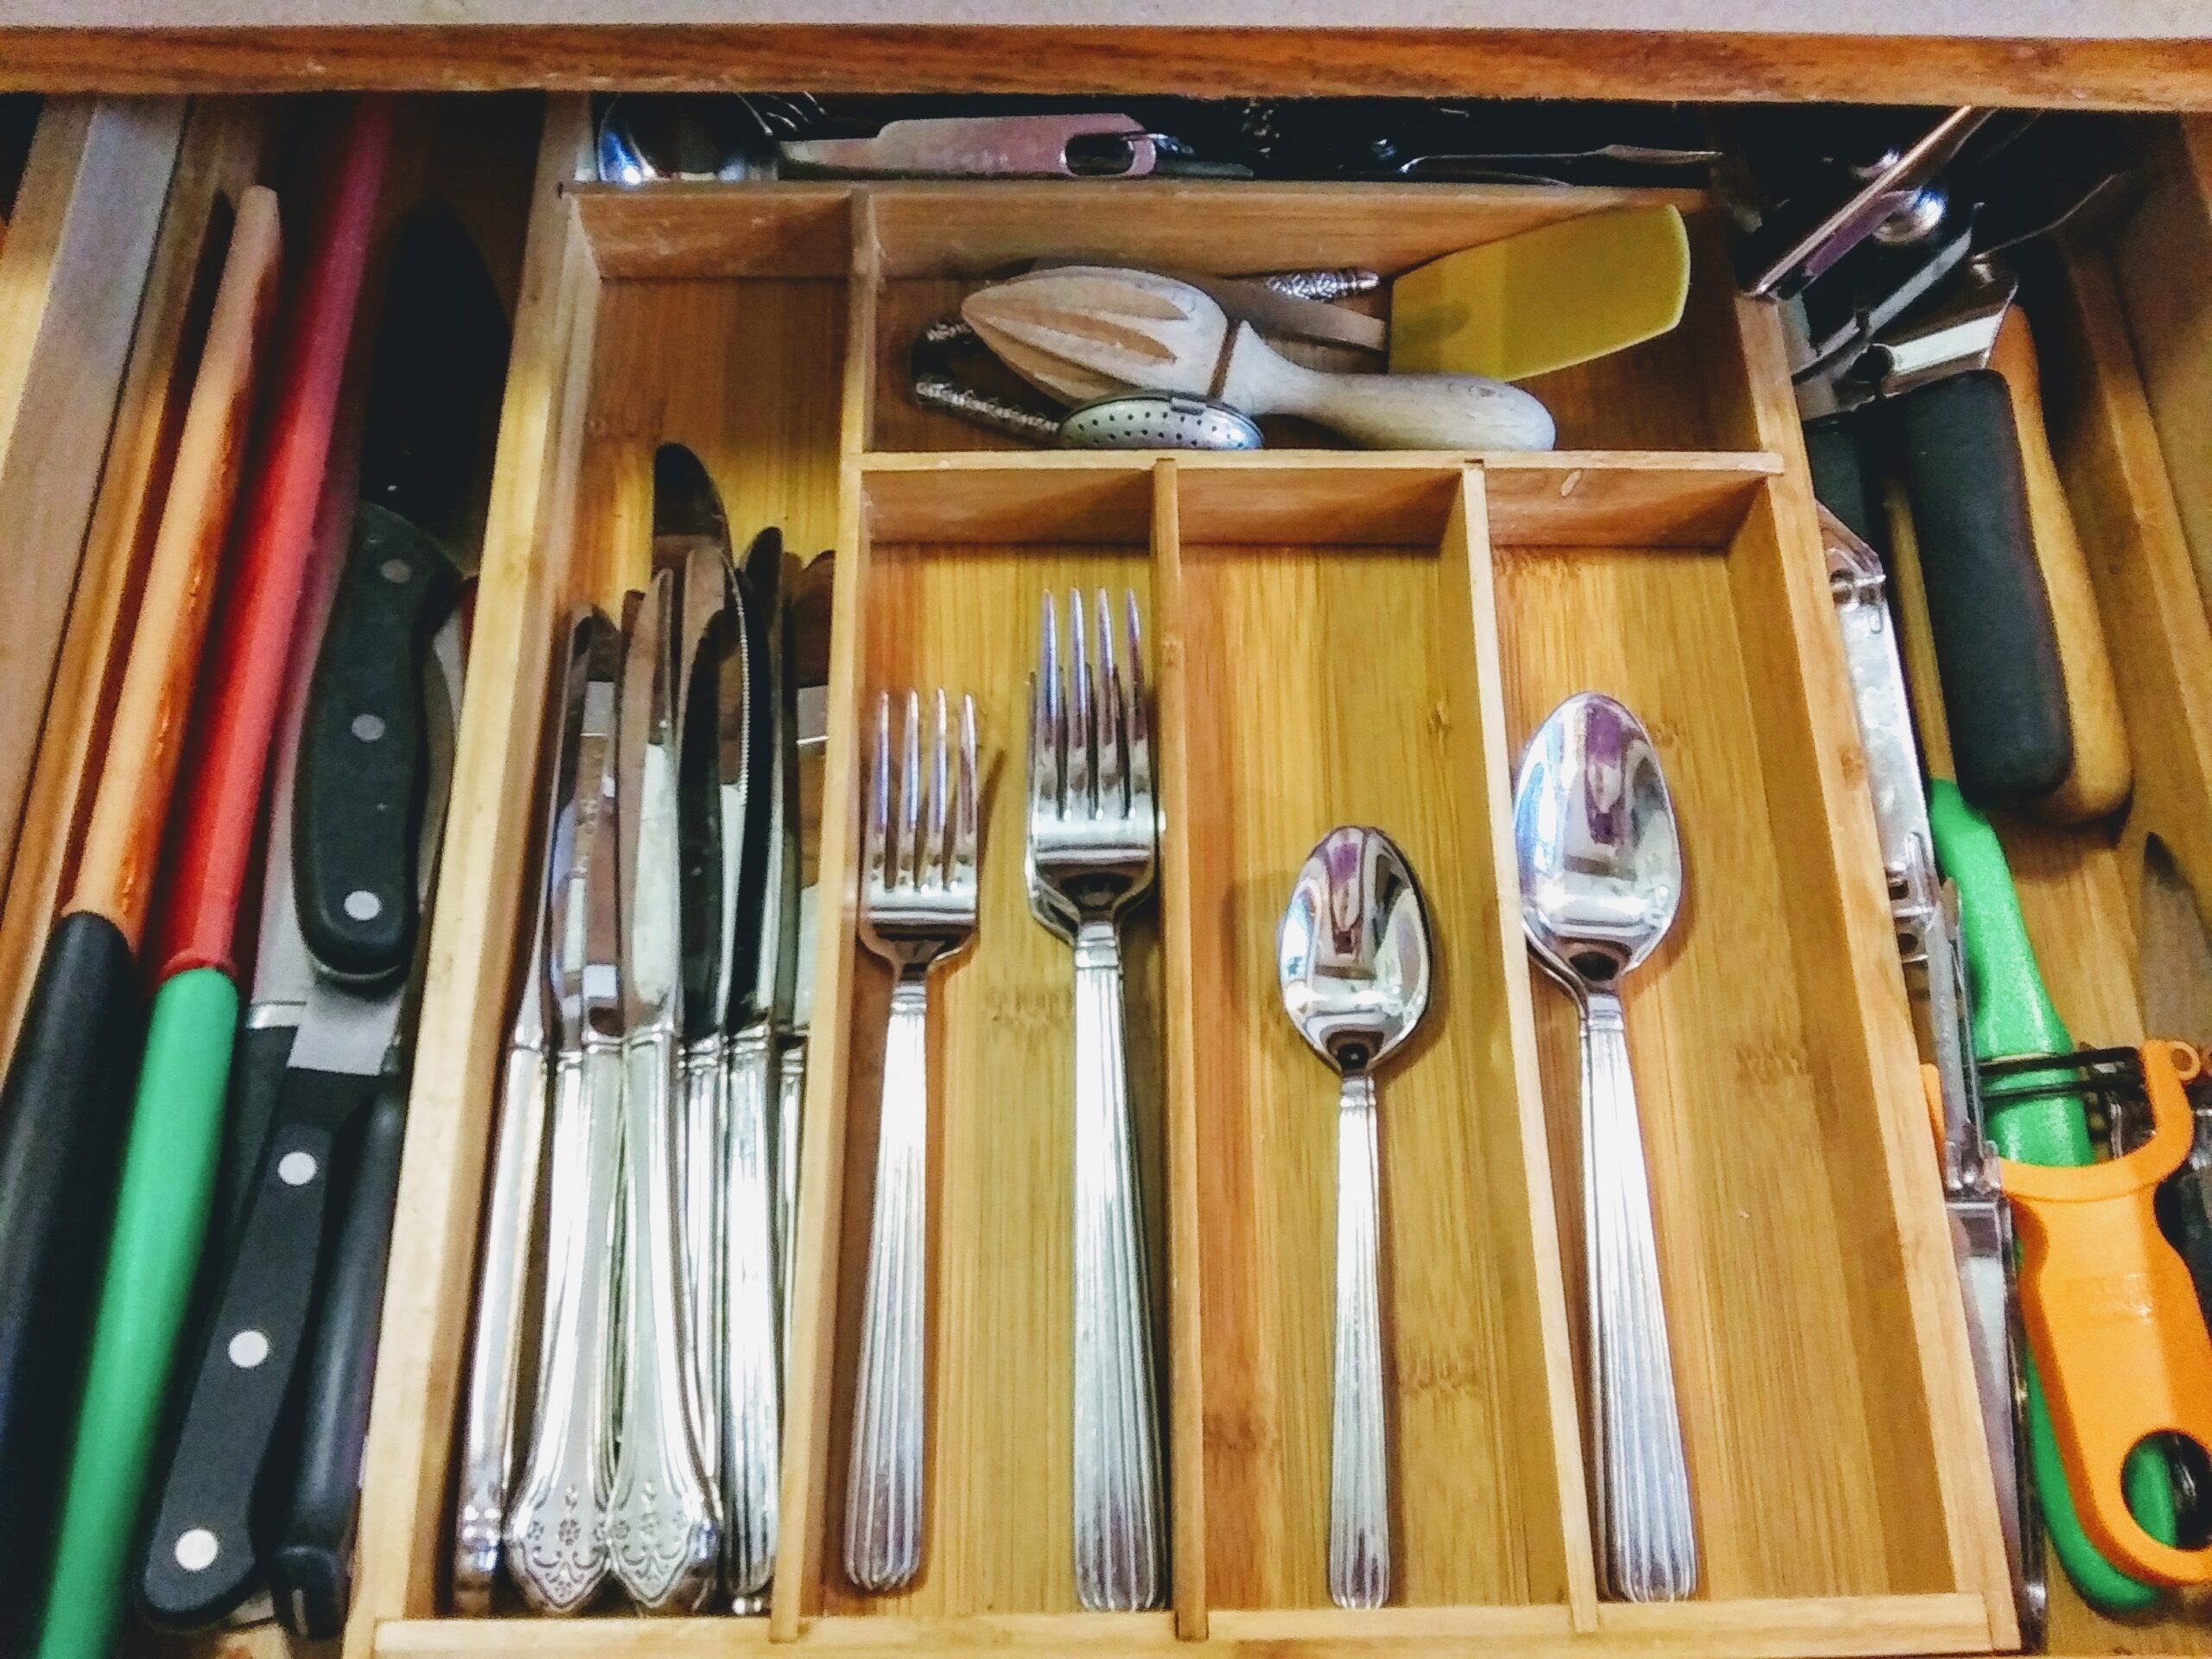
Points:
[(810, 656), (555, 1531), (662, 1528), (311, 1563), (360, 770), (547, 1013), (177, 1112), (62, 1113), (760, 990), (691, 540)]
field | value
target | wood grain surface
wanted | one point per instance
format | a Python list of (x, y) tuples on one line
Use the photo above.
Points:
[(1715, 65)]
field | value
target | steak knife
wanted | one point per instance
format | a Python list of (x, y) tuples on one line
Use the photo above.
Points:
[(661, 1528), (556, 1524), (548, 1015)]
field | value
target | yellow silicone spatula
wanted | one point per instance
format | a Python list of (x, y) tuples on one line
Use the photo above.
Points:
[(1544, 299)]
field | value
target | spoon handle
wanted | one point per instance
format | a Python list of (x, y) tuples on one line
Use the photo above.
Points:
[(1359, 1465), (1649, 1547), (1117, 1531)]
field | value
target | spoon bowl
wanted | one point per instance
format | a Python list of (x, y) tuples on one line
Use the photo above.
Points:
[(1353, 953), (1601, 861), (1353, 959)]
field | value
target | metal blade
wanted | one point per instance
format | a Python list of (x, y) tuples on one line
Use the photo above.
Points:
[(438, 376), (645, 814)]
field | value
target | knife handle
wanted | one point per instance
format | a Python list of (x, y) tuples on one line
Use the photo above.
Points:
[(62, 1113), (310, 1568), (495, 1364), (201, 1563), (1996, 645), (360, 771), (144, 1302), (258, 1063), (1844, 480)]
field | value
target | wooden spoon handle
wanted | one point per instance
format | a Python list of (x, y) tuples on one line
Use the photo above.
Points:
[(122, 841), (1386, 411)]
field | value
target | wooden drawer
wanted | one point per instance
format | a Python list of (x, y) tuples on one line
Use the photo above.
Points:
[(1835, 1446), (79, 254), (1667, 552)]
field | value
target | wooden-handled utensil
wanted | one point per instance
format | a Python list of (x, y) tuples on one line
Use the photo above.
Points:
[(2101, 774), (68, 1082), (175, 1127), (1081, 331)]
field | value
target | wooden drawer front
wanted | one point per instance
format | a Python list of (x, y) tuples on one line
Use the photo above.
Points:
[(1834, 1442)]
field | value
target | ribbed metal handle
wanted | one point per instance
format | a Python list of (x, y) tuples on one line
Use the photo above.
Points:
[(1117, 1525), (660, 1524), (556, 1524), (790, 1110), (1648, 1540), (1359, 1452), (702, 1131), (487, 1435), (754, 1403), (883, 1502)]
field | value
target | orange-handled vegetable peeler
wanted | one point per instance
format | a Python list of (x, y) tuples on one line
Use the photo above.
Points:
[(2110, 1307)]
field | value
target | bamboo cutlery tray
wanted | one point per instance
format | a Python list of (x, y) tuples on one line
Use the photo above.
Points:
[(1334, 636)]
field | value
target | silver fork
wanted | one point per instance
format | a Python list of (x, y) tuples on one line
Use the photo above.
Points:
[(1094, 832), (917, 910)]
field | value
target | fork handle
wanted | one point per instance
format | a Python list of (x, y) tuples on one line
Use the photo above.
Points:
[(1117, 1544), (883, 1502)]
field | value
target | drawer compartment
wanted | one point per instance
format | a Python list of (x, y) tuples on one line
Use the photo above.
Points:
[(1332, 636)]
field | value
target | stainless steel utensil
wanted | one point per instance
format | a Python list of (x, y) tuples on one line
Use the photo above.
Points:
[(661, 1525), (1353, 956), (556, 1523), (761, 991), (547, 1017), (1601, 877), (918, 911), (1094, 831)]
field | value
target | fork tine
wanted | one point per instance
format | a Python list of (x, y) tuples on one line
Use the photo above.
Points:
[(1140, 718), (1050, 745), (963, 800), (910, 793), (1112, 799), (937, 861), (879, 793), (1082, 730)]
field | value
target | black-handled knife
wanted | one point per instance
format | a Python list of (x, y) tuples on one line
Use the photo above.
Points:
[(353, 870), (311, 1563), (1988, 612)]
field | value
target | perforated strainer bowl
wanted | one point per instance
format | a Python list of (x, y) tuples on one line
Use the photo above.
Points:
[(1158, 420)]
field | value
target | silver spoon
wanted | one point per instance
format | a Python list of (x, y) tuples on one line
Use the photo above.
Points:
[(1601, 877), (1353, 956)]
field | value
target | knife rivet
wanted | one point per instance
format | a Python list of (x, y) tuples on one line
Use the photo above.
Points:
[(248, 1349), (363, 905), (396, 571), (295, 1168), (368, 728), (196, 1550)]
